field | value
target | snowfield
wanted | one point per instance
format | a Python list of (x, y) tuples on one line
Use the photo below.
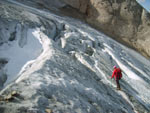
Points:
[(63, 65)]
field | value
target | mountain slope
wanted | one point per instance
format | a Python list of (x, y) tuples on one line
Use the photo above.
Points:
[(125, 21), (69, 66)]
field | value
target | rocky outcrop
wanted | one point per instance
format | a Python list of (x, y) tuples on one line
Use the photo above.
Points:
[(125, 20), (79, 4)]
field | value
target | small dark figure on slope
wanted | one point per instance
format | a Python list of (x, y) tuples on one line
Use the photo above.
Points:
[(118, 75)]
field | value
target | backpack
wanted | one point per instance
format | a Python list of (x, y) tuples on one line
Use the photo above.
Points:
[(119, 74)]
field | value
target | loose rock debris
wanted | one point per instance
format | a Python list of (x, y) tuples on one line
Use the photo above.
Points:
[(9, 97)]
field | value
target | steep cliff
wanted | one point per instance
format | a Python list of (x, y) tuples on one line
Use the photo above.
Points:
[(125, 20)]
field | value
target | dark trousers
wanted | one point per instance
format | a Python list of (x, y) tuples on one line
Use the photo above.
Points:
[(118, 85)]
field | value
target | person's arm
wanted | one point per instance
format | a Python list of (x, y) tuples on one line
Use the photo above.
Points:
[(113, 74)]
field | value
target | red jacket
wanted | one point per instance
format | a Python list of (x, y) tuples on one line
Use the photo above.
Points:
[(117, 73)]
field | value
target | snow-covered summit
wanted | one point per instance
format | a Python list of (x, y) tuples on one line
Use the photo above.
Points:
[(61, 64)]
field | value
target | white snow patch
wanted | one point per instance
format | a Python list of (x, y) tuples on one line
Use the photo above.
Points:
[(17, 56), (139, 70), (47, 53), (106, 45)]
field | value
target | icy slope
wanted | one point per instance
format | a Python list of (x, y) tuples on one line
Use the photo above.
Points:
[(62, 64), (18, 56)]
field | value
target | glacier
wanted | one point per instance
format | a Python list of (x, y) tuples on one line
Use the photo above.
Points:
[(60, 63)]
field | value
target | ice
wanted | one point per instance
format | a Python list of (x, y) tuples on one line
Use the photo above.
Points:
[(62, 64), (17, 56)]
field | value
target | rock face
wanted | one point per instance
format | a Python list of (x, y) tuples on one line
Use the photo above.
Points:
[(79, 4), (125, 20)]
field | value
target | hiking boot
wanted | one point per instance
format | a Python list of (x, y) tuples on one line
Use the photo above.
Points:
[(118, 88)]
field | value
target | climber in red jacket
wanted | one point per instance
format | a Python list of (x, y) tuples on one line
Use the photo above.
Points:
[(118, 75)]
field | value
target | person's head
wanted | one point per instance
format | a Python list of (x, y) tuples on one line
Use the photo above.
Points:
[(115, 67)]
